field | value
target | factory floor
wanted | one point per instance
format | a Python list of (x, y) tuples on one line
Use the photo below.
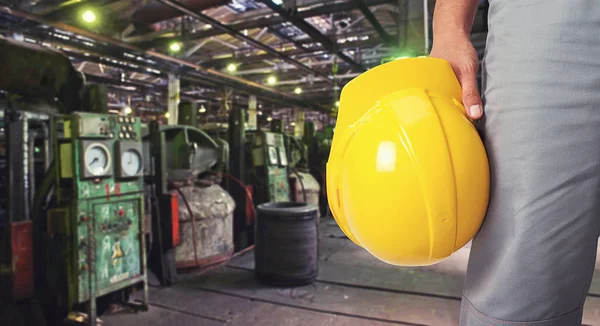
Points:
[(352, 289)]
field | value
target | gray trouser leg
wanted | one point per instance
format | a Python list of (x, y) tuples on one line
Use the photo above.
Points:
[(533, 259)]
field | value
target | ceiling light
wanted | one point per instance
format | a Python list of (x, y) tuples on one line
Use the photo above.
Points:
[(175, 47), (231, 67), (293, 124), (167, 115), (127, 110), (88, 16), (269, 119), (272, 80), (202, 109), (259, 112), (298, 90), (337, 104)]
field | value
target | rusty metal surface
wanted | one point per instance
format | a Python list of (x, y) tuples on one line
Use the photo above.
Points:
[(212, 208), (311, 187), (22, 259)]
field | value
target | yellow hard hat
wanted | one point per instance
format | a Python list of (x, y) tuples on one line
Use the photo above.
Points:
[(408, 175)]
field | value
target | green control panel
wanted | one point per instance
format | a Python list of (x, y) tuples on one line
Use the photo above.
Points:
[(270, 163), (100, 211)]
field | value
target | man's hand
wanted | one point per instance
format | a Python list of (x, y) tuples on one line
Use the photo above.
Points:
[(452, 23), (463, 58)]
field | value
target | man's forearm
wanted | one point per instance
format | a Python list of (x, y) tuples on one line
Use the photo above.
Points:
[(454, 18)]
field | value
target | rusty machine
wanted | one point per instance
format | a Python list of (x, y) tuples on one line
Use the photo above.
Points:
[(71, 205), (304, 187), (194, 227)]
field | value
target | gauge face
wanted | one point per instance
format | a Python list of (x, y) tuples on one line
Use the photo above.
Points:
[(131, 163), (97, 159)]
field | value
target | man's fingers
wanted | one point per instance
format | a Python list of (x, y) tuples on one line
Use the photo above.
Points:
[(471, 97)]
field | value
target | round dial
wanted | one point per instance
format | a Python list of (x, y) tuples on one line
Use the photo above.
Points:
[(97, 159), (131, 163)]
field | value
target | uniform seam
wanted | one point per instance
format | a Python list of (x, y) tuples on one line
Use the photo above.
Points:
[(477, 314)]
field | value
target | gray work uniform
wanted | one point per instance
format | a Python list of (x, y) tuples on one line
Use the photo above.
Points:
[(533, 259)]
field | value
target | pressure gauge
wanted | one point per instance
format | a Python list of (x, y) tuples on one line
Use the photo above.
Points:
[(131, 163), (97, 159)]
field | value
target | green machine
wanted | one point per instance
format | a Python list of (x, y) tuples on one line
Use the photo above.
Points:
[(97, 224), (268, 174)]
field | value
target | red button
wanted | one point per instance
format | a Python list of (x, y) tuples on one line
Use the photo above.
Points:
[(104, 227), (84, 218), (121, 212)]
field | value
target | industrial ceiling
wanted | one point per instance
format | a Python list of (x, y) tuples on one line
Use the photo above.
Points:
[(289, 53)]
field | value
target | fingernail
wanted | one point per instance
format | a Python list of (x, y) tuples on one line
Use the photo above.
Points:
[(475, 110)]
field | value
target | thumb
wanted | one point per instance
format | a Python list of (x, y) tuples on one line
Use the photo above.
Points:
[(470, 94)]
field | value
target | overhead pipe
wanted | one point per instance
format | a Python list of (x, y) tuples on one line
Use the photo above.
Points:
[(196, 72), (216, 24)]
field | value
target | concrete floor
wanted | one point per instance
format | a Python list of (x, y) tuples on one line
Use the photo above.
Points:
[(353, 288)]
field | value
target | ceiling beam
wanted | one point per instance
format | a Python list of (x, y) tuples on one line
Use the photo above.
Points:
[(368, 14), (216, 24), (157, 41), (296, 53), (185, 68), (314, 33)]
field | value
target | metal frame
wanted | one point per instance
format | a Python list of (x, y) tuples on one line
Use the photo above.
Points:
[(313, 33), (309, 44), (216, 24), (191, 70)]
